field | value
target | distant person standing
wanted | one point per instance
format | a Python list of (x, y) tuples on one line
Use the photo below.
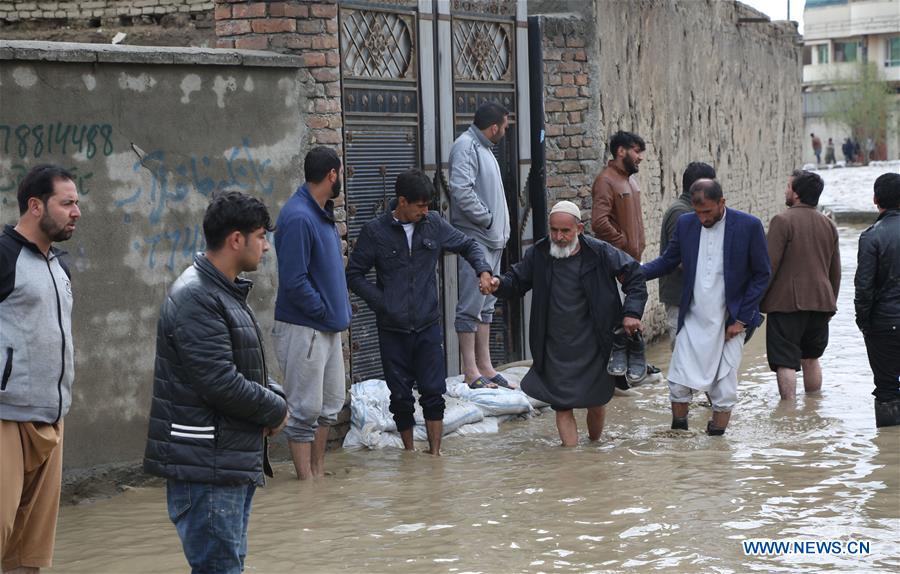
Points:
[(870, 149), (847, 150), (817, 147), (878, 298), (478, 209), (802, 294), (670, 286), (829, 152), (311, 309), (39, 366)]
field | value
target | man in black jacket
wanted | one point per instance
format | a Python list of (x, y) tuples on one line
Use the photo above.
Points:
[(575, 307), (878, 298), (213, 403), (404, 246)]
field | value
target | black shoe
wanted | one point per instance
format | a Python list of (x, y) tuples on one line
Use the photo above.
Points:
[(887, 413), (618, 358), (637, 363), (713, 431), (679, 423)]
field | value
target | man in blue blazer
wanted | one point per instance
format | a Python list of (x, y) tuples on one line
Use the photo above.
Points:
[(726, 271)]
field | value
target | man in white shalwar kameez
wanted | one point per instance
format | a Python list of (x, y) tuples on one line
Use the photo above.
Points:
[(709, 343)]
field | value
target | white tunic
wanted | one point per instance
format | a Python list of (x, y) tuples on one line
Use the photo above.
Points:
[(702, 358)]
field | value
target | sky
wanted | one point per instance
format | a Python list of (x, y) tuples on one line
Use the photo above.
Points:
[(777, 9)]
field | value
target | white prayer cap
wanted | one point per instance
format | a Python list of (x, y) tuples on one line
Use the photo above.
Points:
[(567, 207)]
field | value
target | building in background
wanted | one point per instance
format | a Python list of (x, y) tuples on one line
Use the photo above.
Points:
[(839, 36)]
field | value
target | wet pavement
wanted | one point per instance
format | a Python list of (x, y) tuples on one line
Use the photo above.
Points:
[(643, 498)]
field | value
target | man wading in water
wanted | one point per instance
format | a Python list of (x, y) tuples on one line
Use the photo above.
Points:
[(575, 308)]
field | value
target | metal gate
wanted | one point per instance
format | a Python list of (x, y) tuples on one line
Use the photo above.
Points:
[(413, 73), (484, 69), (379, 72)]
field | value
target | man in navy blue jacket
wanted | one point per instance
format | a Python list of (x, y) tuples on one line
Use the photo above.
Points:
[(726, 272), (404, 245), (311, 310)]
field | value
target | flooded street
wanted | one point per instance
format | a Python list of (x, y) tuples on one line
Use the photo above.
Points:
[(643, 498)]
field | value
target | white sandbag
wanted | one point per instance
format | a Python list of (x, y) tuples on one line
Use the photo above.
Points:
[(370, 403), (489, 425), (373, 439), (515, 375), (492, 402), (457, 413), (372, 424)]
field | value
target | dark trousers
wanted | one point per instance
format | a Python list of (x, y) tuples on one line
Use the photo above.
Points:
[(883, 348), (414, 359)]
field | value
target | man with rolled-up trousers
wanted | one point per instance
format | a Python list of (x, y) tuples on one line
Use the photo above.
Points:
[(404, 245)]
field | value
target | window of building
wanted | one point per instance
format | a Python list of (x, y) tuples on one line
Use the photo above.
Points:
[(822, 54), (807, 55), (846, 51), (893, 52)]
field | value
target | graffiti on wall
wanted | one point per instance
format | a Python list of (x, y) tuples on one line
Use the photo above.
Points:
[(49, 139), (173, 179)]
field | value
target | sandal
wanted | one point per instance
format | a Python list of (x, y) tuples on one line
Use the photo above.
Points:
[(482, 383), (500, 381)]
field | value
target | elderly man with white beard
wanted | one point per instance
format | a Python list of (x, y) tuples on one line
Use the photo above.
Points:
[(575, 307)]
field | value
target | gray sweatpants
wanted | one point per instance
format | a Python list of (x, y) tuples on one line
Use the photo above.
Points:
[(314, 377), (473, 307)]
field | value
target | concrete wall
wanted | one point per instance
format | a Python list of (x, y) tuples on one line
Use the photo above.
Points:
[(195, 116), (695, 82)]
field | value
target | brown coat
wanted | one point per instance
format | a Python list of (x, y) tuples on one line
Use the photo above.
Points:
[(806, 262), (616, 212)]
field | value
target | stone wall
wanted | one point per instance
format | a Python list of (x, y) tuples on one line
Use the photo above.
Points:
[(74, 12), (691, 78)]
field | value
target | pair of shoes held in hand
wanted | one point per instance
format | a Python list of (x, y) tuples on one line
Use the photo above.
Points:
[(627, 356)]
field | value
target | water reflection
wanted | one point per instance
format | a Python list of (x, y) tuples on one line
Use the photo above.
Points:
[(645, 498)]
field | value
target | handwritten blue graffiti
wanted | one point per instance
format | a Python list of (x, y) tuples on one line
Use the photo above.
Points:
[(173, 183), (17, 172), (172, 246)]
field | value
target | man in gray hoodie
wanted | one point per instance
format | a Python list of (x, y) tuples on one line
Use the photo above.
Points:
[(478, 209), (38, 365)]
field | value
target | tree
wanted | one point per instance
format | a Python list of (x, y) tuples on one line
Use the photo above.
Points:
[(864, 102)]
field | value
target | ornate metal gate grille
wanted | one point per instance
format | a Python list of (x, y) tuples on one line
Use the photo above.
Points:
[(381, 136), (484, 70)]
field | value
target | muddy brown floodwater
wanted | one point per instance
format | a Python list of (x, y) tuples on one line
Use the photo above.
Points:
[(643, 498)]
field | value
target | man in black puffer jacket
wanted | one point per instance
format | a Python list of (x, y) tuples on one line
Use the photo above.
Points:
[(878, 298), (213, 403)]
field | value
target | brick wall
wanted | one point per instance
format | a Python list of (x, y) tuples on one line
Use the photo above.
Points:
[(307, 29), (572, 150), (90, 11)]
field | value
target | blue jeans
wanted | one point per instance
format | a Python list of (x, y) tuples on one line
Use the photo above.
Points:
[(211, 521)]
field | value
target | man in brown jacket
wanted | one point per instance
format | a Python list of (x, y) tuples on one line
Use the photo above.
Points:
[(616, 212), (802, 295)]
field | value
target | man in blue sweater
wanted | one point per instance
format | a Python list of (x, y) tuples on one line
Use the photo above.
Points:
[(311, 310)]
